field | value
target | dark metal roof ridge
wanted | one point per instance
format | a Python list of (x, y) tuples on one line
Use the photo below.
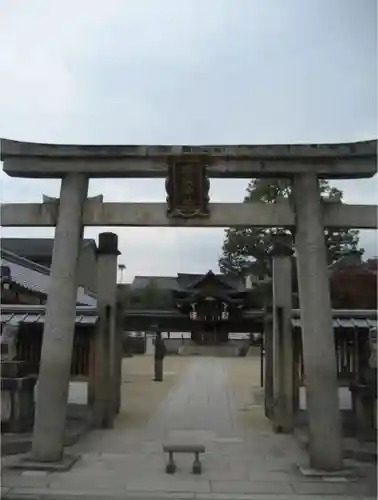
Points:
[(40, 309), (49, 241), (151, 312), (345, 313), (29, 264), (16, 259)]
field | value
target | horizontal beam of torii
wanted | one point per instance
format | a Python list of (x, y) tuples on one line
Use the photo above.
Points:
[(97, 213), (331, 161)]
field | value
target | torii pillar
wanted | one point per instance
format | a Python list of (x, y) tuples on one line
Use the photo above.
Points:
[(58, 333), (325, 432), (283, 395)]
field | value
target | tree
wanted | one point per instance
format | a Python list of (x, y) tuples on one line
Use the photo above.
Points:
[(244, 250), (151, 297), (354, 287)]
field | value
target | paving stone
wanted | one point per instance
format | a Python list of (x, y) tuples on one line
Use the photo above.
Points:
[(227, 475), (335, 480), (243, 461), (259, 496), (34, 473), (4, 490), (271, 476), (104, 481), (20, 480), (27, 494), (327, 488), (159, 484), (33, 494), (251, 487), (64, 494)]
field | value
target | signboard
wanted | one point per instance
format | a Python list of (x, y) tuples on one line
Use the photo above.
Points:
[(187, 187)]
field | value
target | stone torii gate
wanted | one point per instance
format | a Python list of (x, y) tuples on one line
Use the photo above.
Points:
[(304, 164)]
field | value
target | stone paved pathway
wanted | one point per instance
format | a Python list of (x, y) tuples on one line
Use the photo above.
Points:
[(244, 459)]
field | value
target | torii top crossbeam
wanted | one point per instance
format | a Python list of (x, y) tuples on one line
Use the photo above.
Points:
[(347, 160)]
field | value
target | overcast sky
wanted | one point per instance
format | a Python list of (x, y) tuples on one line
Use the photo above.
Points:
[(185, 72)]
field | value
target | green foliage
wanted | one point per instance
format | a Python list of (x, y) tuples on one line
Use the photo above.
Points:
[(151, 297), (245, 249)]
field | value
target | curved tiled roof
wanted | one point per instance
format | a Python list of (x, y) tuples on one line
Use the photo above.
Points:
[(34, 247), (182, 281), (35, 277)]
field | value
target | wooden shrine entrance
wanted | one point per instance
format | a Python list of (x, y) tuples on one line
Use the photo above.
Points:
[(209, 306), (212, 302)]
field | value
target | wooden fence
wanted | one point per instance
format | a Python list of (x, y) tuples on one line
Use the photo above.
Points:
[(29, 343), (352, 354)]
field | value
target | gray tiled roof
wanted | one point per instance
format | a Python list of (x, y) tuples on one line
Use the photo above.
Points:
[(161, 282), (34, 277), (33, 247), (181, 282), (186, 279)]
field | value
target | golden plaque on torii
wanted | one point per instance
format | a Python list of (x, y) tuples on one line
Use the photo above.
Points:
[(187, 187)]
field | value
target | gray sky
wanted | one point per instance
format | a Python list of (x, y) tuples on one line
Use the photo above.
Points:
[(185, 72)]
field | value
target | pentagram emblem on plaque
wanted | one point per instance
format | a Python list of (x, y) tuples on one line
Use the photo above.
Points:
[(187, 187)]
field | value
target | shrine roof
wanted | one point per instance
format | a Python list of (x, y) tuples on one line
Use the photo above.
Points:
[(184, 282), (160, 282), (190, 280)]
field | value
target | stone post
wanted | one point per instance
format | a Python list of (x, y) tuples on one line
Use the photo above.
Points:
[(325, 433), (104, 394), (160, 352), (268, 376), (91, 371), (297, 349), (281, 253), (119, 359), (58, 334)]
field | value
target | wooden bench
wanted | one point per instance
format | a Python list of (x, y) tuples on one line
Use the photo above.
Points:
[(171, 449)]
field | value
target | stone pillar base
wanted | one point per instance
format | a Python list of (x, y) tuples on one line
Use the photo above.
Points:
[(26, 462), (345, 472)]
